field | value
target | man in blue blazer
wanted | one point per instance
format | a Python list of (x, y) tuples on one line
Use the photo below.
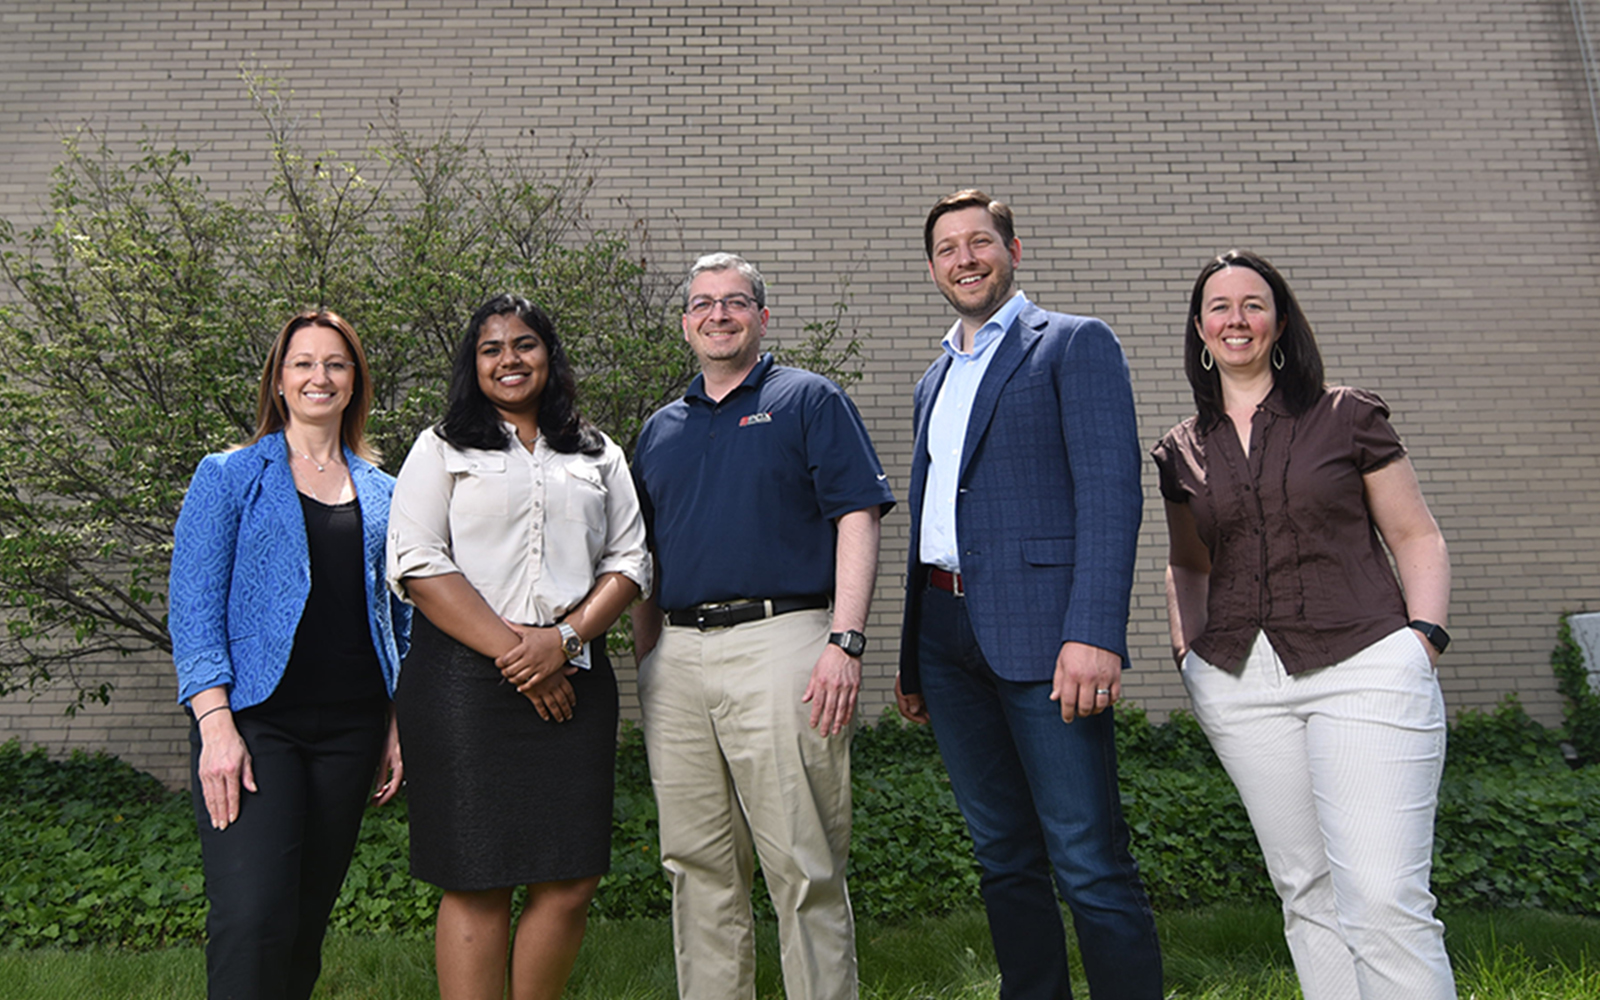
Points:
[(1025, 508)]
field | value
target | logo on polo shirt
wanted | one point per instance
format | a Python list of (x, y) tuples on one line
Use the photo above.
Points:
[(755, 418)]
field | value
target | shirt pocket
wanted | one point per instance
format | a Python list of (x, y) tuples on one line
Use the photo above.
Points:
[(585, 500), (1048, 551), (480, 484)]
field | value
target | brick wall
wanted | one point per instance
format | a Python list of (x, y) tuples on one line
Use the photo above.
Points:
[(1424, 172)]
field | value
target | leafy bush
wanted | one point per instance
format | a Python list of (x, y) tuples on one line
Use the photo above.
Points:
[(135, 316), (1506, 737), (1581, 703), (92, 852)]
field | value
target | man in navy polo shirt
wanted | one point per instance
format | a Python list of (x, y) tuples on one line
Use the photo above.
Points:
[(761, 495)]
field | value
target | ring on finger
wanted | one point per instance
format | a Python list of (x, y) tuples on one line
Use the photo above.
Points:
[(1102, 691)]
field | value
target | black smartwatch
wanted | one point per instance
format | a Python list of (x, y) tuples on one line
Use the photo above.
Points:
[(852, 642), (1437, 637)]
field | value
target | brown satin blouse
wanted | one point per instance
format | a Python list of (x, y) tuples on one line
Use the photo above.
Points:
[(1294, 551)]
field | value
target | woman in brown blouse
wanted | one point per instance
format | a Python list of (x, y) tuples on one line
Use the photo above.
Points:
[(1310, 667)]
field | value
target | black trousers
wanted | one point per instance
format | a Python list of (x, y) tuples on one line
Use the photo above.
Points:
[(272, 877)]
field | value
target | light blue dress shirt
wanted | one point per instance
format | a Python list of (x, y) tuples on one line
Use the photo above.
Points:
[(947, 432)]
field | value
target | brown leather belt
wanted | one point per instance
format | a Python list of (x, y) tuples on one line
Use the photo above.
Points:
[(943, 579)]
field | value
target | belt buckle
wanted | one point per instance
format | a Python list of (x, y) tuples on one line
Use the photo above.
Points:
[(705, 611), (956, 586)]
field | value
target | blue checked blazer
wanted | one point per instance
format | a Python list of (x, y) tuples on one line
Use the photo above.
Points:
[(1049, 501), (241, 572)]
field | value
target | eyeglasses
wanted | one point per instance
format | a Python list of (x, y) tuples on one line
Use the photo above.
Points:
[(731, 303), (333, 369)]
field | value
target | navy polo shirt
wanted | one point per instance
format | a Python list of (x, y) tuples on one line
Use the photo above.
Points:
[(739, 496)]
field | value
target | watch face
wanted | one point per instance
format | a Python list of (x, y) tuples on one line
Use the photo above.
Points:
[(571, 643), (851, 642)]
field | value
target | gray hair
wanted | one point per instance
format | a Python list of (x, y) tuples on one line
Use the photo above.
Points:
[(725, 262)]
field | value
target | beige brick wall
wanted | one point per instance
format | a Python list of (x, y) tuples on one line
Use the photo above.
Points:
[(1423, 171)]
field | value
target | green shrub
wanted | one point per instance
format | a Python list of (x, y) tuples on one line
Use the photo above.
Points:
[(1519, 836), (1581, 703), (1506, 737), (92, 852)]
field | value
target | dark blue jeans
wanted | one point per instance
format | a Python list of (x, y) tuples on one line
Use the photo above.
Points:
[(1040, 798)]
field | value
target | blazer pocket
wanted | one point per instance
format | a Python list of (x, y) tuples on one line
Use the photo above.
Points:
[(1048, 551), (1036, 382)]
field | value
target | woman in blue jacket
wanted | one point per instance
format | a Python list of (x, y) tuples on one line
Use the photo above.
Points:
[(288, 646)]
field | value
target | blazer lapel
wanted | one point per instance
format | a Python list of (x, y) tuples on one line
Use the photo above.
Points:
[(1009, 353), (374, 506), (919, 453), (281, 496)]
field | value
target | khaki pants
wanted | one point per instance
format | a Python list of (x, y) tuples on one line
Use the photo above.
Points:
[(738, 771)]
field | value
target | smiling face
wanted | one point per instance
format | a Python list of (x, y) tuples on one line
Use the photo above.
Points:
[(973, 265), (1238, 320), (318, 376), (722, 336), (513, 365)]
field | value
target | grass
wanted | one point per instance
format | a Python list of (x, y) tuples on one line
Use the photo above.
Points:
[(1221, 953)]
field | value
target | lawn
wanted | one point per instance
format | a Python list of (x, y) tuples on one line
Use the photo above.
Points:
[(1221, 953)]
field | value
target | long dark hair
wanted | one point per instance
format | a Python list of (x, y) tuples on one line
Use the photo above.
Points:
[(1299, 381), (272, 413), (471, 421)]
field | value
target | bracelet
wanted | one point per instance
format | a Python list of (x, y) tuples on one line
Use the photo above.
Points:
[(215, 708)]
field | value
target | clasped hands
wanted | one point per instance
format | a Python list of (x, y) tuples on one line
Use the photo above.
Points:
[(538, 668)]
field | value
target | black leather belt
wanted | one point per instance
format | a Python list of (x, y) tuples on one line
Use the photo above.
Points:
[(727, 614)]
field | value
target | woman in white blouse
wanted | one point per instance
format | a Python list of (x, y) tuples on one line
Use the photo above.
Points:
[(516, 531)]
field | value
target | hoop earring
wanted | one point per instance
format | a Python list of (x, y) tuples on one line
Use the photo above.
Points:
[(1278, 359), (1206, 360)]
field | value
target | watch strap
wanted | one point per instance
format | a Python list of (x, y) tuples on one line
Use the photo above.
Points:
[(1437, 637), (852, 641)]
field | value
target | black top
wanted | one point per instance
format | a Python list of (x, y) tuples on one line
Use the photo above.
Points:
[(333, 659)]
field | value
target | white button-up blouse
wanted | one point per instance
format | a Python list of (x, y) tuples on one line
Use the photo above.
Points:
[(530, 530)]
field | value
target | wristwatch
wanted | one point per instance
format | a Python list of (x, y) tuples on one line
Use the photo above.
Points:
[(1437, 637), (852, 642), (571, 643)]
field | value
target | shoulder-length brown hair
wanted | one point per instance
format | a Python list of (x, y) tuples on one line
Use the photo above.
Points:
[(272, 413)]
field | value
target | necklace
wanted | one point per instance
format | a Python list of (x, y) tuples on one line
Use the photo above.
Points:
[(297, 451)]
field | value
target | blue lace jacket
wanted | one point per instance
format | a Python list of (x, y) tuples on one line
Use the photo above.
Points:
[(241, 572)]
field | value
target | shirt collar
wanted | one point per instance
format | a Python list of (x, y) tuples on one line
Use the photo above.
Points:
[(516, 439), (697, 385), (1273, 404), (992, 330)]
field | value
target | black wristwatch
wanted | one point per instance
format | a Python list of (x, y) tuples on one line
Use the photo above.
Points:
[(1437, 637), (571, 642), (852, 642)]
